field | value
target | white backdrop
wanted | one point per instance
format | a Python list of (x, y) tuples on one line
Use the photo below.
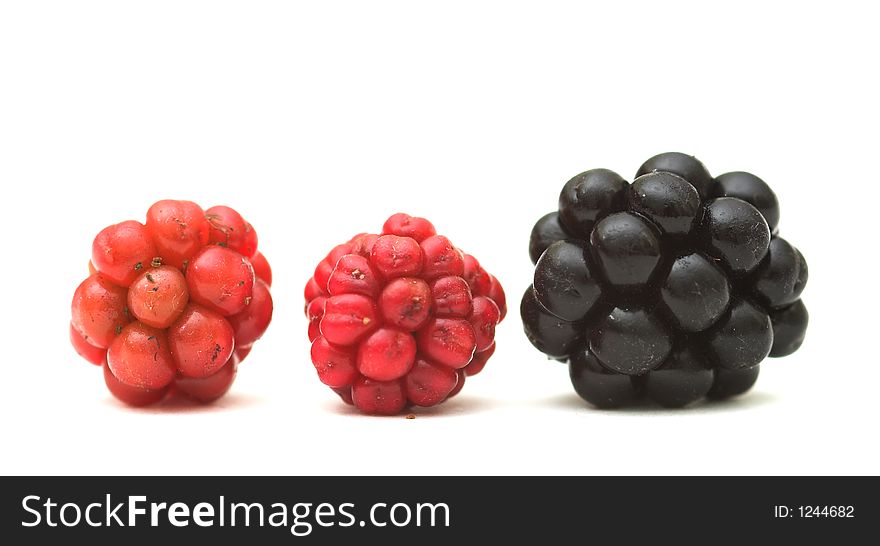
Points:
[(318, 121)]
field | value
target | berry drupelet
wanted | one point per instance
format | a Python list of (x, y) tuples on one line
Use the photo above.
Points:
[(172, 305), (401, 318), (672, 288)]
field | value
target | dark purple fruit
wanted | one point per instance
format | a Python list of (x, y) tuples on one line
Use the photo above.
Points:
[(686, 166), (626, 249), (742, 339), (547, 231), (736, 234), (684, 378), (588, 197), (696, 293), (630, 342), (549, 334), (789, 329), (729, 383), (782, 277), (666, 199), (599, 386), (564, 284), (752, 190)]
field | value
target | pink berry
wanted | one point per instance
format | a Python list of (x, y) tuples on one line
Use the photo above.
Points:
[(450, 342), (387, 354), (404, 225), (484, 319), (441, 258), (428, 384), (348, 318), (395, 256), (406, 303), (353, 275), (479, 361), (378, 397), (335, 365), (452, 297)]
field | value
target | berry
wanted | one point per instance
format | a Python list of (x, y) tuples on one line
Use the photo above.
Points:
[(683, 165), (673, 288), (789, 329), (221, 279), (174, 305), (753, 191), (99, 310), (400, 318), (588, 197), (564, 282), (122, 251), (201, 341), (158, 296)]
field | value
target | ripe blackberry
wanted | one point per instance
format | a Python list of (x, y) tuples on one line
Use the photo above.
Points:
[(401, 318), (172, 305), (672, 288)]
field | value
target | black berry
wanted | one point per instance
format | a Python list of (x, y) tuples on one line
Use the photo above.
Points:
[(673, 288)]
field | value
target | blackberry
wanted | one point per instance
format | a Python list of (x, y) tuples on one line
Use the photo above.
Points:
[(672, 288)]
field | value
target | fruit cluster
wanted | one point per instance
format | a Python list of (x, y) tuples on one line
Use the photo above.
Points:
[(174, 304), (401, 318), (674, 287)]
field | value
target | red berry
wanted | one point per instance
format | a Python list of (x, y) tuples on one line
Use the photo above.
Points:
[(406, 303), (315, 312), (99, 310), (484, 319), (335, 365), (208, 389), (221, 280), (133, 396), (121, 252), (393, 317), (452, 297), (450, 342), (178, 229), (353, 275), (459, 385), (252, 323), (378, 397), (262, 269), (442, 259), (348, 318), (428, 384), (404, 225), (227, 228), (479, 361), (155, 304), (395, 256), (158, 296), (140, 357), (95, 355), (201, 341), (387, 354)]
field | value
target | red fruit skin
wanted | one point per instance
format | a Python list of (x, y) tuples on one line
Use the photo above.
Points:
[(362, 244), (226, 227), (262, 269), (95, 355), (221, 280), (441, 258), (241, 353), (394, 256), (353, 275), (120, 252), (158, 296), (348, 318), (133, 396), (378, 397), (98, 310), (404, 225), (252, 323), (335, 365), (208, 389), (387, 354), (315, 312), (406, 303), (496, 293), (178, 229), (140, 357), (322, 276), (476, 277), (428, 384), (484, 319), (458, 386), (479, 361), (450, 342), (345, 394), (313, 291), (201, 341), (452, 297)]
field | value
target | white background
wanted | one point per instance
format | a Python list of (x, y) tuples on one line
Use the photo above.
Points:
[(318, 121)]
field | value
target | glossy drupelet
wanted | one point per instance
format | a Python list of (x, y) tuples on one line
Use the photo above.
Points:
[(401, 318), (673, 288), (173, 305)]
